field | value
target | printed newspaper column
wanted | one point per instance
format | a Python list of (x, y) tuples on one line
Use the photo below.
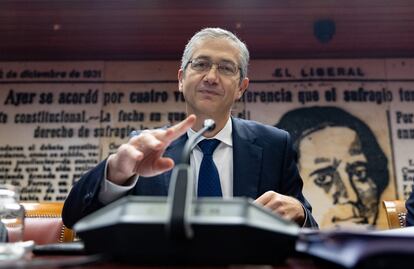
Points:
[(401, 114), (48, 110), (139, 96)]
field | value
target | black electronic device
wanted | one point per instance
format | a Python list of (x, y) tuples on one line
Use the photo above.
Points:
[(236, 231)]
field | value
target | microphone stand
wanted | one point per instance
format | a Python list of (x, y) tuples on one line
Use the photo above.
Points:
[(181, 192)]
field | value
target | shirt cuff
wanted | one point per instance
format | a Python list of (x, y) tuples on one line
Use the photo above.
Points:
[(110, 191)]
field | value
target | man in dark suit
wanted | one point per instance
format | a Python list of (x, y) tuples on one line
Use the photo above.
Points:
[(252, 159)]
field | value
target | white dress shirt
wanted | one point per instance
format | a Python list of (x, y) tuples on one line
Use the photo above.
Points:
[(222, 157)]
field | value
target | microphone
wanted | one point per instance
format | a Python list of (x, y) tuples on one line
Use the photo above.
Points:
[(180, 194), (208, 125)]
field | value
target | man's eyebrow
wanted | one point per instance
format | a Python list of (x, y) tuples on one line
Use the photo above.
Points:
[(205, 57), (227, 61)]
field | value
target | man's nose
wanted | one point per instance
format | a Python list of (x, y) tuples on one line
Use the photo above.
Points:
[(212, 74)]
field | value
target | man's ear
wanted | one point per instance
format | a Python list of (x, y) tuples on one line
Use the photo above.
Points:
[(243, 87), (180, 79)]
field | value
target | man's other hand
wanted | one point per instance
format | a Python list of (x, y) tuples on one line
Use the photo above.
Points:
[(287, 207)]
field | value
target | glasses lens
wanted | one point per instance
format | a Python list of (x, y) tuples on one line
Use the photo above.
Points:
[(201, 65), (225, 68)]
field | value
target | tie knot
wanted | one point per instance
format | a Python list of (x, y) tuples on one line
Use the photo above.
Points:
[(208, 146)]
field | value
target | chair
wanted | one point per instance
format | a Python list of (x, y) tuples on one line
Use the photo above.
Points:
[(44, 225), (396, 213)]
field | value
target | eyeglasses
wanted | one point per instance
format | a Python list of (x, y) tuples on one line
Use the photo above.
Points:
[(225, 68)]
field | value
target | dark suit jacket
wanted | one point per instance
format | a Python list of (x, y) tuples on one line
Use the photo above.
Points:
[(263, 160), (409, 204)]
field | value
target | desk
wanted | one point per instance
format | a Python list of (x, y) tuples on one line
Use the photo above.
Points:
[(50, 262)]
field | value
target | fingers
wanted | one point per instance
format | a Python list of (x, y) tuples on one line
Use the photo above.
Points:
[(142, 155), (285, 206), (153, 165), (180, 128), (147, 140), (121, 165), (163, 164), (159, 138), (265, 198), (273, 201), (127, 151)]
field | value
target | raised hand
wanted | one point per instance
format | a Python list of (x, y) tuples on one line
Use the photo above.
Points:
[(142, 155)]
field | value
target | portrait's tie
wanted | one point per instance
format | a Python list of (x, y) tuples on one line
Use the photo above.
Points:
[(208, 177)]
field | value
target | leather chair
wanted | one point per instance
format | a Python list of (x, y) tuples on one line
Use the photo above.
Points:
[(43, 224), (396, 213)]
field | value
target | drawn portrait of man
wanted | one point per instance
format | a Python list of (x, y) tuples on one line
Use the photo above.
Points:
[(344, 169)]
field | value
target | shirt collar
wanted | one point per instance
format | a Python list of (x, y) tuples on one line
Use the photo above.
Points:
[(224, 135)]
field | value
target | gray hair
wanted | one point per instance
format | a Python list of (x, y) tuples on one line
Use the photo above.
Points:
[(216, 33)]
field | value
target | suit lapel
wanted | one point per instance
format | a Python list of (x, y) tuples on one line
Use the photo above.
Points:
[(174, 152), (247, 161)]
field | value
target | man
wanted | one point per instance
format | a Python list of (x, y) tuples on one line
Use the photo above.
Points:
[(343, 167), (252, 159)]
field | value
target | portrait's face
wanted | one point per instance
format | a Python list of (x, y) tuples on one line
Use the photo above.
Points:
[(336, 182), (212, 92)]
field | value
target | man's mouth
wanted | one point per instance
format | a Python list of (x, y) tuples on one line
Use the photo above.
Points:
[(209, 91)]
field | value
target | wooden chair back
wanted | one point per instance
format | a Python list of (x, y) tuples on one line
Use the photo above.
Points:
[(43, 224), (396, 213)]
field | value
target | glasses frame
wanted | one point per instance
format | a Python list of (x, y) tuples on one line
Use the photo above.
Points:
[(217, 67)]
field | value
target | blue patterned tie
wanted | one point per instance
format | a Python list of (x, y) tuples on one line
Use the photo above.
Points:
[(208, 177)]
